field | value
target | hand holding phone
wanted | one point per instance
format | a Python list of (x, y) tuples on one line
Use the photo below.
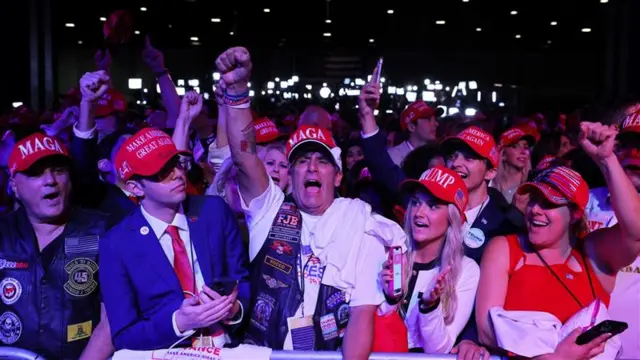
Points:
[(605, 327), (224, 285), (394, 288)]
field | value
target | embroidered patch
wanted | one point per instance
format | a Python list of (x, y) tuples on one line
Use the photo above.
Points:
[(8, 264), (335, 299), (10, 328), (11, 290), (328, 327), (343, 314), (81, 277), (82, 244), (79, 331), (262, 311), (279, 265), (273, 283), (281, 247)]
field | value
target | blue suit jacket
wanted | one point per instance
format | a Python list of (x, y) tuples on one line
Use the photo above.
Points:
[(139, 287)]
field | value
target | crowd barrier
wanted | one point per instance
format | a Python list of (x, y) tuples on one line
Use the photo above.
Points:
[(11, 353)]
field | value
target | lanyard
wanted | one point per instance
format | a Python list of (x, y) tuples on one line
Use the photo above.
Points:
[(301, 277)]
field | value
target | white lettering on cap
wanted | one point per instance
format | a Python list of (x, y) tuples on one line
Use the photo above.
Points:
[(142, 139), (47, 143), (478, 133), (306, 134), (438, 176), (631, 120)]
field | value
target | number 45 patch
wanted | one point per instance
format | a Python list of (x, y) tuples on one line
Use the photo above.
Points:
[(81, 277)]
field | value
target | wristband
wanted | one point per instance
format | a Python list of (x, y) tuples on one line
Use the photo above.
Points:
[(425, 308), (162, 73), (239, 101)]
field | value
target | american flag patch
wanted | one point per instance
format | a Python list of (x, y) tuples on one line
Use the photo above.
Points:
[(82, 244)]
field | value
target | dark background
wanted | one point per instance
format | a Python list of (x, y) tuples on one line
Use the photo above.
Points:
[(550, 67)]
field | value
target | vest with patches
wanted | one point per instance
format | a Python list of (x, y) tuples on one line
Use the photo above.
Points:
[(51, 309), (276, 290)]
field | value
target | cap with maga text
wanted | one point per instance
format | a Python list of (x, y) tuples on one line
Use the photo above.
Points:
[(480, 141), (144, 153), (560, 185), (443, 183), (33, 148), (514, 135), (418, 110), (313, 138), (631, 124)]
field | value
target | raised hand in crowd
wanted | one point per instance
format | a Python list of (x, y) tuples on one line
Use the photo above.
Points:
[(103, 60), (431, 295), (367, 102), (93, 85), (68, 117), (235, 68), (598, 140), (191, 105), (152, 56)]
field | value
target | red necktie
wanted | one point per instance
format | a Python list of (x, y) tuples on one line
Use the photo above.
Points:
[(181, 264), (134, 199)]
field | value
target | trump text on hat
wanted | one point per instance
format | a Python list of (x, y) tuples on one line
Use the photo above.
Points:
[(438, 176)]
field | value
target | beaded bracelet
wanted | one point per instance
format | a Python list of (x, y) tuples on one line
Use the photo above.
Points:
[(239, 101)]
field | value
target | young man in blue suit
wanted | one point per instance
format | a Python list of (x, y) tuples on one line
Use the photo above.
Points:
[(159, 263)]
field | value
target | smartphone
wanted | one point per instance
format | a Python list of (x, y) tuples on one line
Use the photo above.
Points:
[(395, 285), (224, 286), (606, 327), (375, 77)]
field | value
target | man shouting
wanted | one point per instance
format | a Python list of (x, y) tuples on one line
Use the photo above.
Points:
[(314, 257)]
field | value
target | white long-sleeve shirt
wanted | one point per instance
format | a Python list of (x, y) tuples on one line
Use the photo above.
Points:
[(429, 331)]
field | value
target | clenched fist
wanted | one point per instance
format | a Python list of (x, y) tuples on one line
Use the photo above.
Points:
[(191, 105), (152, 56), (93, 85), (598, 140), (235, 68)]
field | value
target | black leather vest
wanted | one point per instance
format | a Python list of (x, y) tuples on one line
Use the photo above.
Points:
[(276, 290), (51, 310)]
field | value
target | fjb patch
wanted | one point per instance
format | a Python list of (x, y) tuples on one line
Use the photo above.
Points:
[(81, 277), (281, 247), (287, 220)]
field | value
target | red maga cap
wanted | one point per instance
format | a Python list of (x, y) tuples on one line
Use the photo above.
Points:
[(443, 183), (560, 185), (312, 135), (33, 148), (480, 141), (144, 153)]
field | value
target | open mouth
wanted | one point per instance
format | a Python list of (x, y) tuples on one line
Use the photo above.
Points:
[(312, 185), (463, 175), (276, 180), (420, 224), (538, 223), (52, 196)]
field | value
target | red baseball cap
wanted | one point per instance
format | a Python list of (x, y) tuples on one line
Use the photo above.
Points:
[(307, 138), (546, 162), (266, 130), (443, 183), (418, 110), (480, 141), (560, 185), (33, 148), (631, 124), (144, 153), (514, 135), (111, 101)]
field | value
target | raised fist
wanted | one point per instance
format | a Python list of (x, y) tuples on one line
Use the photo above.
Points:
[(152, 56), (235, 68), (191, 105), (93, 85), (103, 59), (598, 140)]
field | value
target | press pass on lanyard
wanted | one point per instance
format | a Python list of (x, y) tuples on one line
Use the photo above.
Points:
[(375, 77)]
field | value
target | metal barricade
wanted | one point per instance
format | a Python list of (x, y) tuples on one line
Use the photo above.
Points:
[(330, 355), (12, 353)]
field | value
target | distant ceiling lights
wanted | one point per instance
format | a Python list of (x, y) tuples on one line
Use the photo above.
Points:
[(328, 21), (194, 38), (518, 36), (137, 32), (372, 40), (390, 11), (215, 20), (604, 1), (326, 34), (143, 9), (102, 18), (79, 42), (231, 33), (267, 10), (70, 25), (514, 12), (586, 30), (440, 22), (465, 0), (554, 23), (478, 29)]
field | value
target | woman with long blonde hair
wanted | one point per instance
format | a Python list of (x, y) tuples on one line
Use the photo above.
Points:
[(439, 281)]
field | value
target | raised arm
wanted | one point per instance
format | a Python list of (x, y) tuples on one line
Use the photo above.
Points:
[(616, 247), (235, 69), (170, 98)]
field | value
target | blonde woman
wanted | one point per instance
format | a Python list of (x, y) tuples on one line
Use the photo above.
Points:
[(515, 161), (440, 282)]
